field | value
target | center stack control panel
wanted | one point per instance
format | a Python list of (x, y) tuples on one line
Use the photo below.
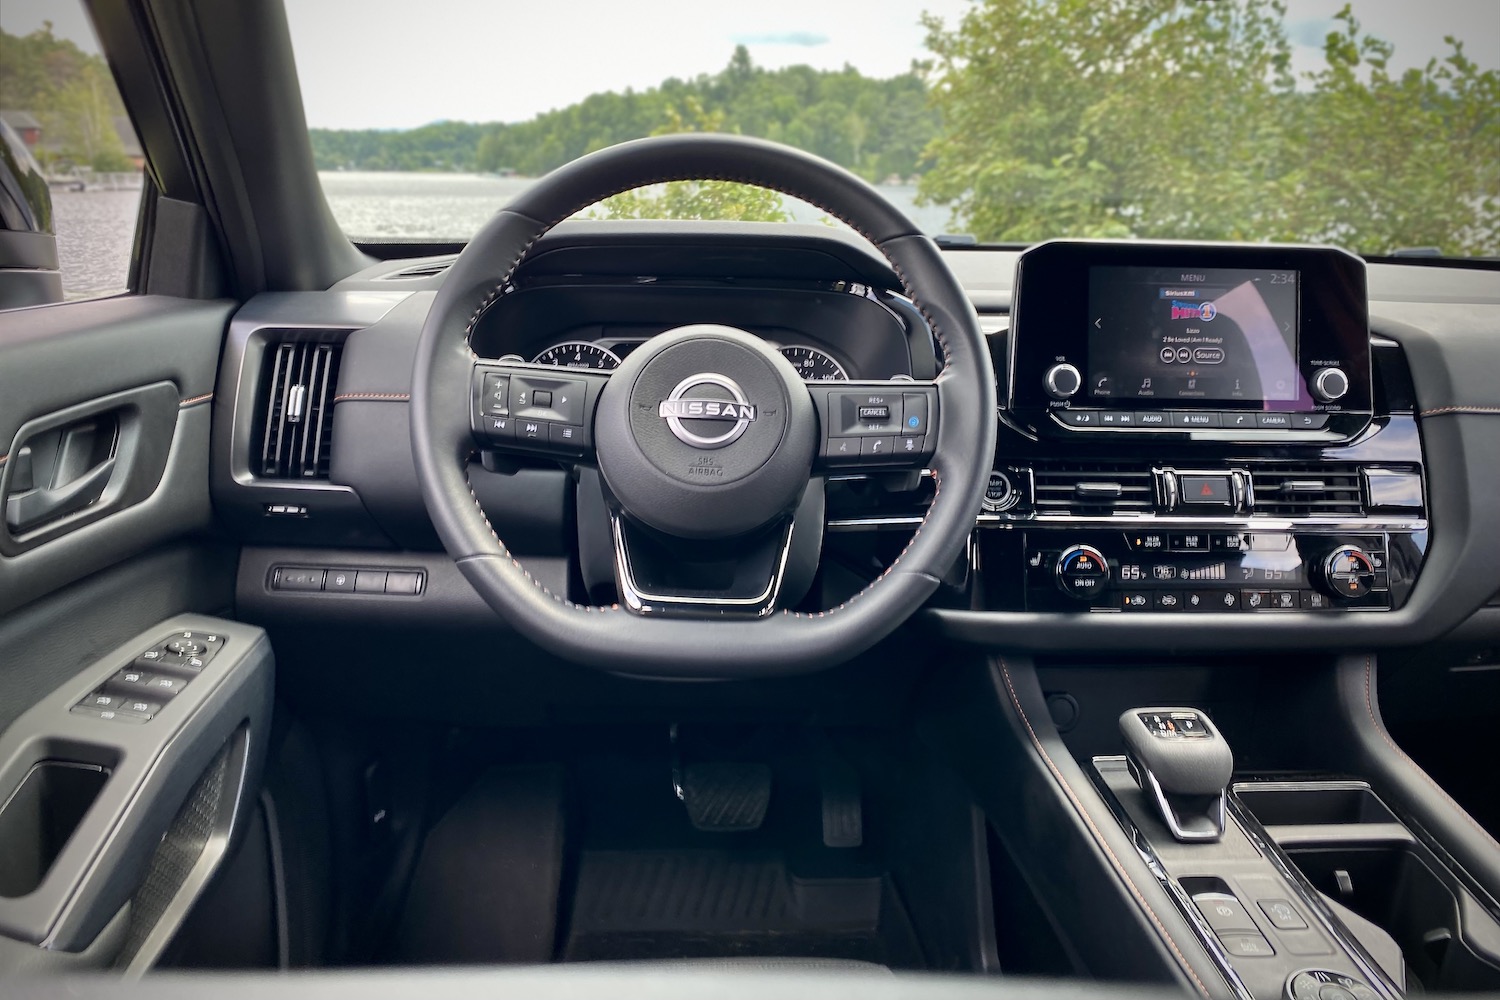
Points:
[(1194, 429)]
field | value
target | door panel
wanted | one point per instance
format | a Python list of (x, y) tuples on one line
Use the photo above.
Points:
[(124, 383)]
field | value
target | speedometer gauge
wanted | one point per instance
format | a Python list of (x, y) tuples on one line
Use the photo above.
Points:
[(814, 365), (578, 354)]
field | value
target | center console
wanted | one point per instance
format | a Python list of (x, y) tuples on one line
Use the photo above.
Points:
[(1201, 429)]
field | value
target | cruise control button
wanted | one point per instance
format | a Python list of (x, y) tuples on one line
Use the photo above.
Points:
[(877, 413), (914, 413)]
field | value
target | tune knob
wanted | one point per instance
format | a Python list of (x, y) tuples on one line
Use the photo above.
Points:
[(1348, 572), (1330, 384), (1062, 381), (1082, 573)]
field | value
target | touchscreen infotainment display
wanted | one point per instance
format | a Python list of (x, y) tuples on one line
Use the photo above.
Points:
[(1217, 335)]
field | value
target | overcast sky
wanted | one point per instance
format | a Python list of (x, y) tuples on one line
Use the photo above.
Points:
[(403, 63)]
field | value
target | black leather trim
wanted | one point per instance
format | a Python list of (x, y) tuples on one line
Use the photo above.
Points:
[(784, 643), (1366, 749)]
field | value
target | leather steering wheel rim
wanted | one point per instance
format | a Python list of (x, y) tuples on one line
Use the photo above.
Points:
[(611, 638)]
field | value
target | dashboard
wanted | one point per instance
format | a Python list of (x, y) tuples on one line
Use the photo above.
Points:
[(1298, 480)]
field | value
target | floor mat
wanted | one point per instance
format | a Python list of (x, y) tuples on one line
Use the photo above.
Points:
[(640, 905), (485, 889)]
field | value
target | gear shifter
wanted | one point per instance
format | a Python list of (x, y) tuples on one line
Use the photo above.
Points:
[(1183, 764)]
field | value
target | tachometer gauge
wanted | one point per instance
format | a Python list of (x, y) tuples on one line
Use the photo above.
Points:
[(578, 354), (814, 365)]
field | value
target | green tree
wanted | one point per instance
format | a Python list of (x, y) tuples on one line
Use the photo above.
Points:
[(1170, 118), (694, 199)]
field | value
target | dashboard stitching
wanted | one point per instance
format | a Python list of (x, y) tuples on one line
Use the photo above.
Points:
[(1098, 837), (194, 400), (352, 397), (1460, 409), (1380, 728), (517, 563), (515, 265)]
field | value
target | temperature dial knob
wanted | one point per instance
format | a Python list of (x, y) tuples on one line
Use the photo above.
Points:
[(1082, 573), (1348, 572), (1330, 384), (1062, 381)]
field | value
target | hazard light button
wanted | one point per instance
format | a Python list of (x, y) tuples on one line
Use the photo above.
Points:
[(1211, 490)]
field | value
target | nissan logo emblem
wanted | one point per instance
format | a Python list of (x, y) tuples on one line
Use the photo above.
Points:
[(679, 406)]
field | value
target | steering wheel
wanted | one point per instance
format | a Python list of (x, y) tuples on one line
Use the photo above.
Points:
[(708, 443)]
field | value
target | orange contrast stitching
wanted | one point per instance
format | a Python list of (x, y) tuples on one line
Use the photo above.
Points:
[(1098, 837), (1460, 409), (348, 397), (194, 400), (515, 265)]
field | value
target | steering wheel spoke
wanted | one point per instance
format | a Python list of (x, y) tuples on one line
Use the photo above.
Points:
[(875, 426), (535, 409)]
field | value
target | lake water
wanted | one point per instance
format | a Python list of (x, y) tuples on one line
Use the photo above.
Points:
[(95, 228), (396, 205)]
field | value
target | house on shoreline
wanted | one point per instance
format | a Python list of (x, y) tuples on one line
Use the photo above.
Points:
[(32, 132)]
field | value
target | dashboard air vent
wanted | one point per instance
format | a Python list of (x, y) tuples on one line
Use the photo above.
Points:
[(427, 269), (296, 409), (1093, 488), (1302, 489)]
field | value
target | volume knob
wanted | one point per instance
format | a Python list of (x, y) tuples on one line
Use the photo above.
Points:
[(1330, 384), (1062, 381)]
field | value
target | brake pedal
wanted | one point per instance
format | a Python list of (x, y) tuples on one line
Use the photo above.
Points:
[(726, 797)]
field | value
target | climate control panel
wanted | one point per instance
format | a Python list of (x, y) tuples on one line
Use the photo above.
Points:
[(1233, 570)]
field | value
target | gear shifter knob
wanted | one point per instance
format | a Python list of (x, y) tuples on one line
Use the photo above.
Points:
[(1183, 764)]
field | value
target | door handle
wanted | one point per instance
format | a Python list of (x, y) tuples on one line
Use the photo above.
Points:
[(25, 510)]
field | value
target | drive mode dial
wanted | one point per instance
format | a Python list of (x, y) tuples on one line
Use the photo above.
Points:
[(1082, 573)]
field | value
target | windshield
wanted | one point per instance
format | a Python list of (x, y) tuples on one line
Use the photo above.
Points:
[(1374, 125)]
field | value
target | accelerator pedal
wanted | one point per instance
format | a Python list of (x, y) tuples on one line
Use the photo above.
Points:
[(843, 810), (726, 797)]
